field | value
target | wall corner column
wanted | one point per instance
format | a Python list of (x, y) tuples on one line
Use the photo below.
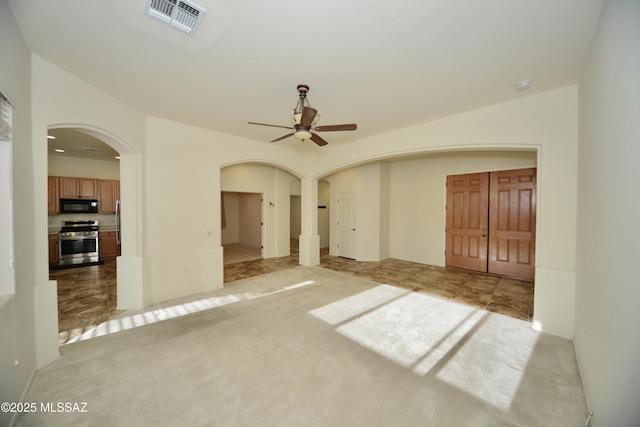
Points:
[(309, 239), (130, 270)]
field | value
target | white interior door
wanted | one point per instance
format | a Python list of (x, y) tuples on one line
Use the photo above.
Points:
[(347, 225)]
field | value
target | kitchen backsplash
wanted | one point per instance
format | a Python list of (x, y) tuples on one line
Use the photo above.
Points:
[(104, 221)]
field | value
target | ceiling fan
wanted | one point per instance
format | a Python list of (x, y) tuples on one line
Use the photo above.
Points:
[(304, 119)]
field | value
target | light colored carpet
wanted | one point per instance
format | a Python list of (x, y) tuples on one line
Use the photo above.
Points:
[(313, 347)]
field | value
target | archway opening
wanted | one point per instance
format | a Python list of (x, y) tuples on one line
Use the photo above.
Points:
[(258, 217), (85, 244), (400, 214)]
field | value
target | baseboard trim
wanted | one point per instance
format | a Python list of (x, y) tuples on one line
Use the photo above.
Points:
[(584, 388)]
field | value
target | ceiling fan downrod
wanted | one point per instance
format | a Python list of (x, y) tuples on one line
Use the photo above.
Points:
[(302, 93)]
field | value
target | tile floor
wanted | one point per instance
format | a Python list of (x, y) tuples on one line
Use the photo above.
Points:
[(86, 298), (239, 252), (87, 295)]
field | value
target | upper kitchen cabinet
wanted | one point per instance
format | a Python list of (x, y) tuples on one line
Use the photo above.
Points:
[(53, 199), (109, 193), (78, 188)]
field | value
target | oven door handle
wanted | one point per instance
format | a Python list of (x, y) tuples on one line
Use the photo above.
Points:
[(62, 239)]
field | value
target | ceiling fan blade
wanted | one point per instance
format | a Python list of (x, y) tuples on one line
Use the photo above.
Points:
[(329, 128), (273, 126), (308, 114), (282, 137), (315, 138)]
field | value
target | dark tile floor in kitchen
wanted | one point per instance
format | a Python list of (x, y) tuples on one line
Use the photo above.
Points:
[(86, 298), (87, 295)]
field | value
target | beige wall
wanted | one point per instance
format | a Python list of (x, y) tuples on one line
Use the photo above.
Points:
[(243, 212), (348, 181), (369, 182), (607, 278), (250, 219), (18, 351), (295, 220), (324, 199), (231, 231), (181, 231), (418, 197), (83, 168)]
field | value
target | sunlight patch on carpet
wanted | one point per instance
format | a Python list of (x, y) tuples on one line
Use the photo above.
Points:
[(172, 312), (438, 338)]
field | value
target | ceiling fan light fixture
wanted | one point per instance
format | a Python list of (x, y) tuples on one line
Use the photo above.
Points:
[(302, 134), (295, 118)]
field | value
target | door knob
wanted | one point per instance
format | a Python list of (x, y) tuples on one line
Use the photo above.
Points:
[(483, 235)]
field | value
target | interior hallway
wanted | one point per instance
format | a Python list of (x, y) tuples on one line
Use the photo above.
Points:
[(87, 295)]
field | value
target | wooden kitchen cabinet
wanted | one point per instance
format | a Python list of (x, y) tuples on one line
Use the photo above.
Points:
[(107, 245), (54, 250), (88, 188), (109, 193), (78, 188), (68, 188), (53, 199)]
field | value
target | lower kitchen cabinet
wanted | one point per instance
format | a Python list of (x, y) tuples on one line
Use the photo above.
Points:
[(54, 250), (108, 245)]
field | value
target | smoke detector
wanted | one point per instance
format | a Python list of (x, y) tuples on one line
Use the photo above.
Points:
[(180, 14)]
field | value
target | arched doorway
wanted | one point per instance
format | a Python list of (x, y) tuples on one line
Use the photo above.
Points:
[(127, 262), (240, 183)]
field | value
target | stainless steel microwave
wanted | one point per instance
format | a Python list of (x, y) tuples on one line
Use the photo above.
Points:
[(78, 206)]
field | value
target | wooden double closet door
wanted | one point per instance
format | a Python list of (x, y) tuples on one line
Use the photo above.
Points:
[(491, 222)]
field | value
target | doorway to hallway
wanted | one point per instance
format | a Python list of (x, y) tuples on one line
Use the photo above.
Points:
[(241, 226)]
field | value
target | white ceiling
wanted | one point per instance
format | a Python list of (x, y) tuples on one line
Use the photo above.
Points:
[(79, 145), (382, 65)]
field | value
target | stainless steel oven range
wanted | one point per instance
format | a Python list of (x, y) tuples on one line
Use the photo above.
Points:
[(79, 242)]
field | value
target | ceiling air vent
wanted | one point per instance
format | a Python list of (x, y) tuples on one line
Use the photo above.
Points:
[(181, 14)]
